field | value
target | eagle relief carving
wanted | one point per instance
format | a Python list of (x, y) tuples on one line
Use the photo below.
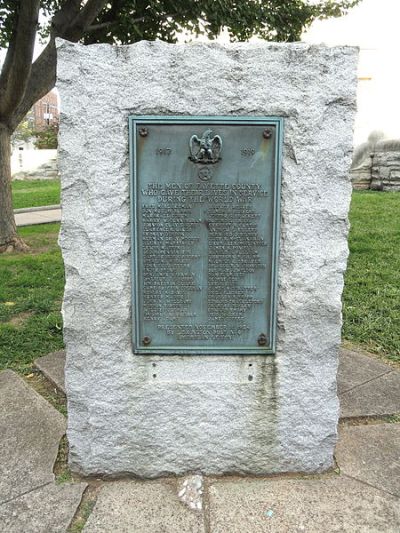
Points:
[(205, 150)]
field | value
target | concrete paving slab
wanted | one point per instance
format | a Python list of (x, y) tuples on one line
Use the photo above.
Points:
[(38, 217), (371, 454), (378, 397), (30, 432), (330, 505), (142, 507), (356, 369), (49, 509), (52, 366)]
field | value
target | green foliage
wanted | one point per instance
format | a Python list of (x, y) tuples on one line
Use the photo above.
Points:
[(23, 133), (87, 505), (8, 16), (46, 138), (273, 20), (35, 193), (372, 285), (9, 10), (31, 288), (128, 21), (64, 477)]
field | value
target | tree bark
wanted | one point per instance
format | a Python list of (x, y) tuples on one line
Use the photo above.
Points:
[(9, 240), (15, 76), (22, 84), (41, 81)]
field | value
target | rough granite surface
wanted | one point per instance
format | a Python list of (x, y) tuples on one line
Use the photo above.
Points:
[(213, 419)]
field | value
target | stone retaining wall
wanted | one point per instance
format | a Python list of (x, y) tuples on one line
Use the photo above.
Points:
[(380, 170)]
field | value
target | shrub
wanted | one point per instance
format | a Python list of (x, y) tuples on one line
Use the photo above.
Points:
[(47, 138)]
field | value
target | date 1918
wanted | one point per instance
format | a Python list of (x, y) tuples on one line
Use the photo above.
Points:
[(247, 152)]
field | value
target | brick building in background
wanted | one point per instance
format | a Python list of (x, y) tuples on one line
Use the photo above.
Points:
[(45, 112)]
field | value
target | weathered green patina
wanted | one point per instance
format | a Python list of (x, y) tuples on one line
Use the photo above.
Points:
[(205, 196)]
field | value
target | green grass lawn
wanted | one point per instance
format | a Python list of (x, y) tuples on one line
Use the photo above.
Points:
[(372, 284), (31, 286), (35, 193)]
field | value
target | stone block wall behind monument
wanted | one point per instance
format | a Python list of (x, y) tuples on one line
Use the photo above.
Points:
[(201, 413)]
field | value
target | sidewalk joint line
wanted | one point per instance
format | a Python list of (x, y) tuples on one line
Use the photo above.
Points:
[(26, 492), (365, 382), (372, 486), (206, 506)]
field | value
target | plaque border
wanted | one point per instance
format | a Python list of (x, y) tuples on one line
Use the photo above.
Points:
[(139, 120)]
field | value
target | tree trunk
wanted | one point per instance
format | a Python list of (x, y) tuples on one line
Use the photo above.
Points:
[(9, 240)]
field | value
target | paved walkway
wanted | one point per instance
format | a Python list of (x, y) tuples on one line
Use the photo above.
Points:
[(37, 215), (361, 495), (30, 432)]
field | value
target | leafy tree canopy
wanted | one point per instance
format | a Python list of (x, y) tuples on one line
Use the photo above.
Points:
[(23, 82), (127, 21)]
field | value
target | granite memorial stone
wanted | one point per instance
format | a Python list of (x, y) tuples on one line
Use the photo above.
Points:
[(172, 223)]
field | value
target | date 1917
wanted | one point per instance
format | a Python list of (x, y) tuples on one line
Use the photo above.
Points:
[(163, 151)]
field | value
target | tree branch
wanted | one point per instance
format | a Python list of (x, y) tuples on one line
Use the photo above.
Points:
[(43, 71), (7, 65), (111, 23), (64, 16), (42, 80), (70, 23), (102, 26), (16, 78), (75, 28)]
